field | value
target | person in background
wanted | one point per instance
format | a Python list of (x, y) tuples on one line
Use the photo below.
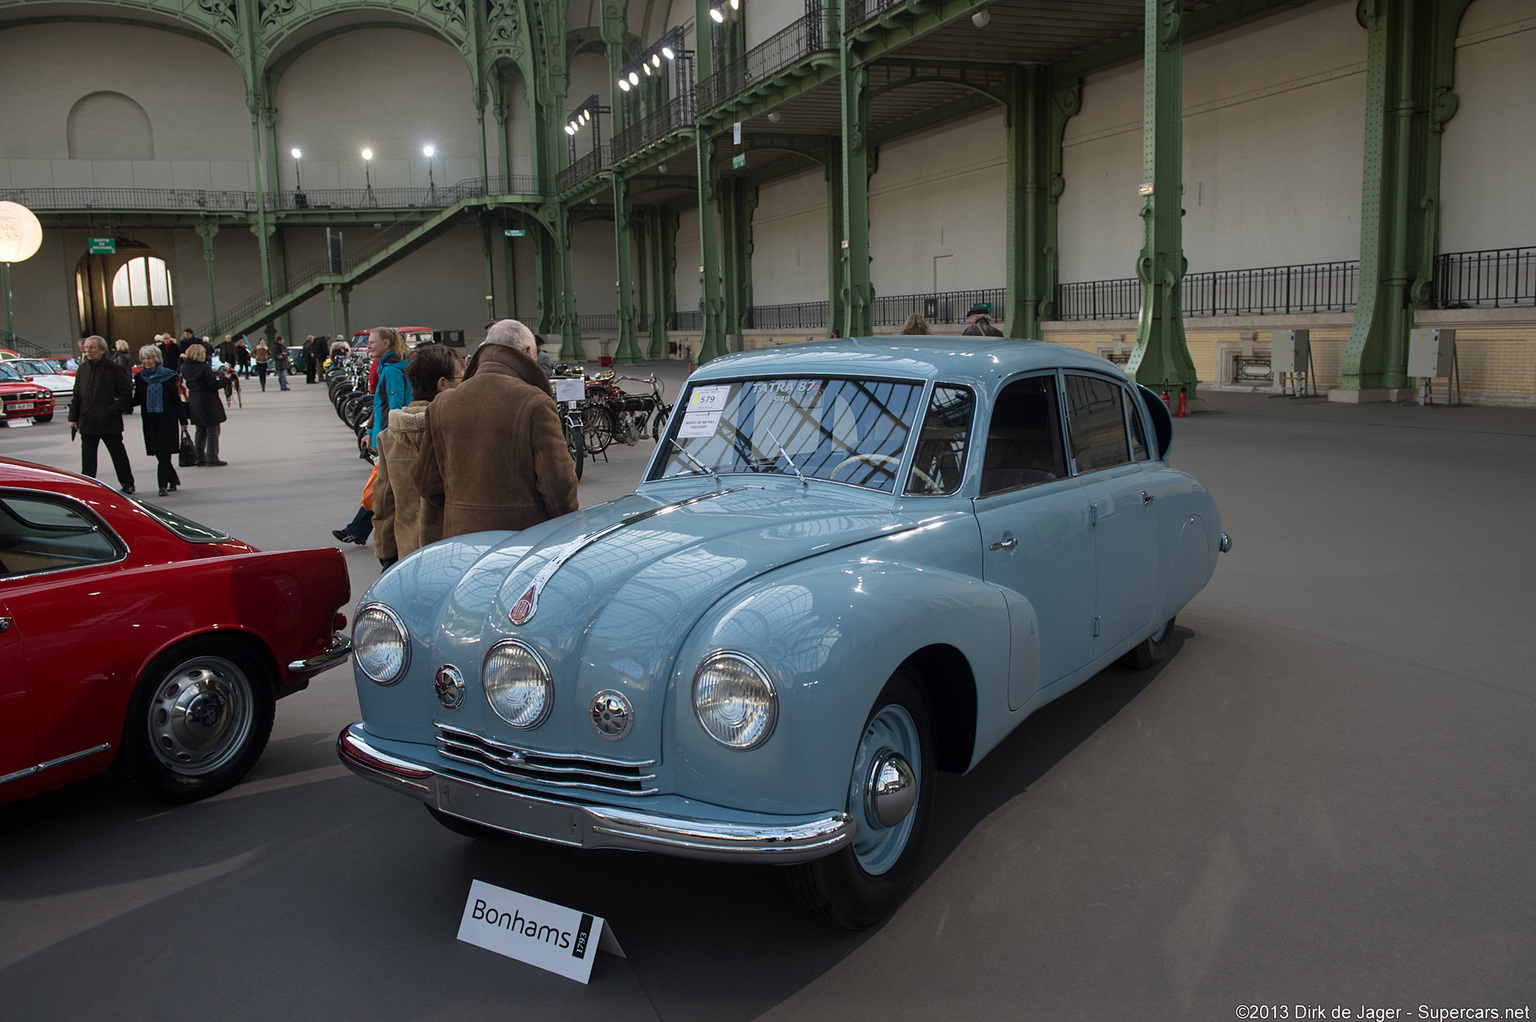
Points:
[(280, 362), (493, 455), (915, 324), (228, 353), (398, 510), (545, 362), (103, 392), (391, 390), (980, 316), (205, 409), (170, 351), (262, 357), (121, 355), (314, 354), (155, 391), (243, 358)]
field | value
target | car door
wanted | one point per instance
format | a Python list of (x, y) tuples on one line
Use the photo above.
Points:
[(1036, 538), (17, 750), (1121, 505)]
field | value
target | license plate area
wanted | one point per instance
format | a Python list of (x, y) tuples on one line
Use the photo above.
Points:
[(508, 811)]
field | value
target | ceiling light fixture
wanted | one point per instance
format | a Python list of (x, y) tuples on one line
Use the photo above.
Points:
[(981, 18)]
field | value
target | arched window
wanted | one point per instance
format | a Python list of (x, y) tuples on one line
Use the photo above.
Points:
[(141, 281)]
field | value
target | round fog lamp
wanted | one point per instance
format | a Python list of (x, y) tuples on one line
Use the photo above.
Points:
[(379, 645), (734, 700), (517, 684)]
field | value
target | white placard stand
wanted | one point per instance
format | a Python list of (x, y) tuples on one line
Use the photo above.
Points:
[(555, 938)]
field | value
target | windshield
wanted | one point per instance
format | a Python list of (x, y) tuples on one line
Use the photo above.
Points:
[(186, 528), (10, 375), (849, 431)]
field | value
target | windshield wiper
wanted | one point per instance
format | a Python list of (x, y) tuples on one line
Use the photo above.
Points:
[(795, 468), (694, 462)]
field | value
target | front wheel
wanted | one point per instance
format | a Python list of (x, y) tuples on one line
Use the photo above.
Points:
[(197, 721), (40, 419), (577, 445), (890, 795)]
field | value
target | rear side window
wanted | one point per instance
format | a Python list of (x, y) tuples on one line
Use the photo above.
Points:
[(1024, 437), (1096, 421), (40, 533)]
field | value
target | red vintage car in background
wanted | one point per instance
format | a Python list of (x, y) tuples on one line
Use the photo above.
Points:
[(23, 399), (133, 638)]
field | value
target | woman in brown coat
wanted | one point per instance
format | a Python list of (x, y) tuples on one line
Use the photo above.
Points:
[(493, 455), (398, 510)]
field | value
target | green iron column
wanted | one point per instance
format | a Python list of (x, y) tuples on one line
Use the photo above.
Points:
[(856, 292), (206, 230), (570, 332), (628, 350), (1161, 359), (836, 307), (711, 339), (663, 279), (730, 266), (1410, 60), (276, 250), (643, 318), (1028, 143), (488, 249), (1066, 101), (509, 267)]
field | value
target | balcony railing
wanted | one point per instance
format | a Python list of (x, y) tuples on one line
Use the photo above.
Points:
[(203, 200), (860, 11), (1265, 291), (1491, 279), (677, 112), (801, 39), (597, 160)]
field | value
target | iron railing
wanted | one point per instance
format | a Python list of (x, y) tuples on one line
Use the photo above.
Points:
[(1265, 291), (22, 346), (677, 112), (1490, 279), (596, 161), (860, 11), (945, 307), (793, 316), (205, 200), (794, 43)]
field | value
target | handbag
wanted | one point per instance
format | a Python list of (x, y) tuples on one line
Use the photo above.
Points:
[(188, 454)]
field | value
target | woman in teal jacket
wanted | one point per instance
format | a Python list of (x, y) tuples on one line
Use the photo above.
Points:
[(391, 390)]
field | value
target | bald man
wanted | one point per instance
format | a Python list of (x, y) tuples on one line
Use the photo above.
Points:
[(103, 392)]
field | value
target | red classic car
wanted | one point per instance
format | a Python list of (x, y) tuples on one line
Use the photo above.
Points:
[(23, 399), (133, 638)]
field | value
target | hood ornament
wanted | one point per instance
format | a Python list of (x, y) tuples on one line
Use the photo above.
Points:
[(449, 684), (527, 604)]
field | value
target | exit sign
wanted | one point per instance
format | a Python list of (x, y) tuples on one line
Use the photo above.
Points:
[(103, 246), (514, 232), (738, 161)]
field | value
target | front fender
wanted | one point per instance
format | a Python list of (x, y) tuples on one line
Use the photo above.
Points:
[(829, 636)]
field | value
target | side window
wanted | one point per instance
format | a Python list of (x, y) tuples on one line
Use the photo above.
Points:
[(1096, 421), (1024, 437), (940, 459), (38, 533), (1138, 429)]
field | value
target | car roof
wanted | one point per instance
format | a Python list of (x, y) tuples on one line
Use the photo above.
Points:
[(40, 477), (977, 360)]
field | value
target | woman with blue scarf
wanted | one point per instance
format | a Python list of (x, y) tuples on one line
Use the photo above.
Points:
[(155, 390)]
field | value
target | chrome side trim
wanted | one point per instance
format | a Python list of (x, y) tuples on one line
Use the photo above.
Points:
[(1225, 543), (32, 771), (337, 653), (527, 604), (781, 841)]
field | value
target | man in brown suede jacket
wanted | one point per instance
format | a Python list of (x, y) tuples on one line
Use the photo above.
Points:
[(492, 453)]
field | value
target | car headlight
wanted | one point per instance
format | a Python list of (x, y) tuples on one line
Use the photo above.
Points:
[(517, 684), (379, 644), (734, 700)]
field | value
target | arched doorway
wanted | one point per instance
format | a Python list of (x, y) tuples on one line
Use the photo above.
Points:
[(126, 295)]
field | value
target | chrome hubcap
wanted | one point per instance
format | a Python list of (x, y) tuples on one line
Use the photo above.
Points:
[(886, 769), (201, 715)]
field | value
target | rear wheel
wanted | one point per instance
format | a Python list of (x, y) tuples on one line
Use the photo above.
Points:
[(890, 795), (1150, 650), (598, 428), (197, 721), (577, 445)]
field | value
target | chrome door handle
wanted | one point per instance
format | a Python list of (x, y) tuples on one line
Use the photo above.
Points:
[(5, 623), (1007, 544)]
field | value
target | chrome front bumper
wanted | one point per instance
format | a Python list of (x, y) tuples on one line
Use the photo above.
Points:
[(593, 826), (336, 653)]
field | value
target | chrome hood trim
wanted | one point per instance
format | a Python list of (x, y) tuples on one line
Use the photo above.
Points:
[(528, 603)]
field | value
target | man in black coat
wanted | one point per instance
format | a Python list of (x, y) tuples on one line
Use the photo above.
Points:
[(103, 392)]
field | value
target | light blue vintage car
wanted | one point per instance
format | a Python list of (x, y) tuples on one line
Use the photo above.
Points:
[(849, 564)]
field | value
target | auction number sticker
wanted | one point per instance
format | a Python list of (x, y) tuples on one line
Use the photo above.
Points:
[(702, 416)]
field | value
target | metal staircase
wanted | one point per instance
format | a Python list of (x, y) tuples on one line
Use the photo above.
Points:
[(312, 278)]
